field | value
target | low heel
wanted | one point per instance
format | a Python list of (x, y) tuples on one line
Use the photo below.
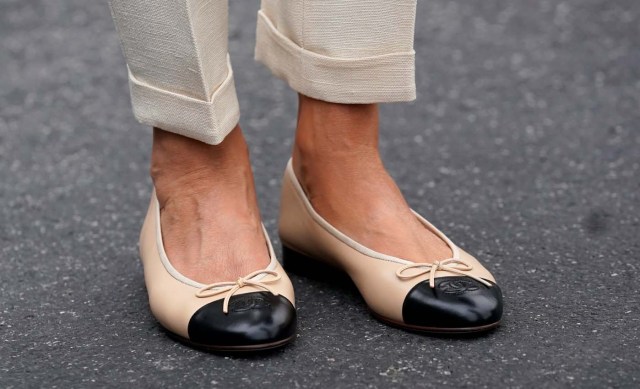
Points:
[(308, 267)]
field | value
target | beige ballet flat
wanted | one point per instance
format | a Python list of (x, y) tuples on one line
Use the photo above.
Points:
[(455, 295), (252, 313)]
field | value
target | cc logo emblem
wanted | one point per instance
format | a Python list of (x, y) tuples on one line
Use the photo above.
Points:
[(457, 286), (244, 303)]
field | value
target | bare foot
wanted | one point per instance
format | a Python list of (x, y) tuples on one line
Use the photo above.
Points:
[(208, 210), (337, 161)]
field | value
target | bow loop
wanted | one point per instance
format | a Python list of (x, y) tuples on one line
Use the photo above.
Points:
[(453, 265), (230, 288)]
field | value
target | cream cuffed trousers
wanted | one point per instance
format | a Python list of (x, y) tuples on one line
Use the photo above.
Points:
[(341, 51)]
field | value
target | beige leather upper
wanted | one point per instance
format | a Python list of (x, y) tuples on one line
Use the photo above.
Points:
[(374, 273), (172, 296)]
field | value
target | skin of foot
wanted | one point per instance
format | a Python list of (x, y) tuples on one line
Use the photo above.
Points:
[(209, 214), (336, 159)]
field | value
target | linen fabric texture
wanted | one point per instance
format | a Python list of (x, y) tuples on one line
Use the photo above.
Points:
[(341, 51)]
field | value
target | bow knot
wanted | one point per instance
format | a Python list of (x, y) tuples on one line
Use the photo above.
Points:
[(453, 265), (231, 287)]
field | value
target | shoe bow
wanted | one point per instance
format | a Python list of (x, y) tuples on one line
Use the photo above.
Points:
[(231, 287), (453, 265)]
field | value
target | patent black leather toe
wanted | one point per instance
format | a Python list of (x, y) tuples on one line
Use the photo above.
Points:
[(456, 304), (254, 320)]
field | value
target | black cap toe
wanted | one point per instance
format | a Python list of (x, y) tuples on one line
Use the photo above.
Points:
[(253, 319), (454, 303)]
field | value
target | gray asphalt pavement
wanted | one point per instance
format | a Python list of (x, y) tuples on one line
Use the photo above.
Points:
[(523, 146)]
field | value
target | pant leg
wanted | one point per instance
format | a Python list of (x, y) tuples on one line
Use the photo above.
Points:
[(342, 51), (179, 70)]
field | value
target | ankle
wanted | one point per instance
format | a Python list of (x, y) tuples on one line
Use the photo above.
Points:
[(180, 165), (337, 128), (332, 135)]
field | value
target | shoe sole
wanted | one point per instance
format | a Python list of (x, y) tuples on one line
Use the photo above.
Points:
[(231, 349), (435, 330), (308, 266)]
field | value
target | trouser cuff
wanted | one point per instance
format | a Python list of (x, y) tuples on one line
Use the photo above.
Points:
[(377, 79), (206, 121)]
